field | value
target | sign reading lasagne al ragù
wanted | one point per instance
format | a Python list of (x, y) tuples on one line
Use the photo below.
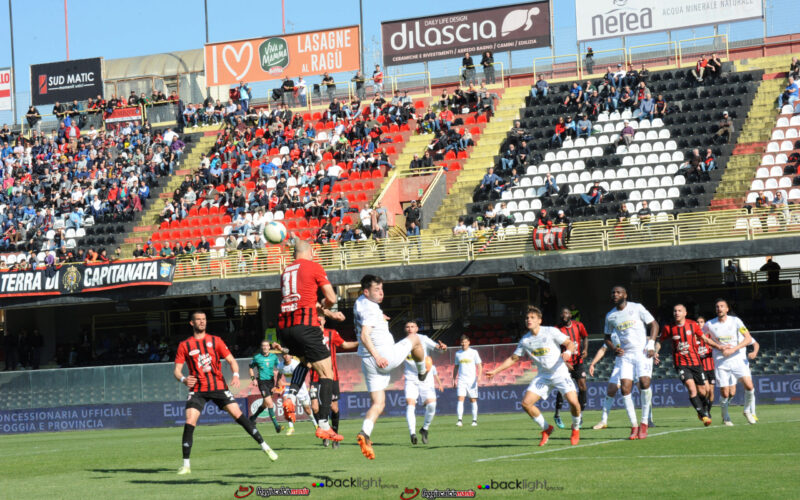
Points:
[(447, 36)]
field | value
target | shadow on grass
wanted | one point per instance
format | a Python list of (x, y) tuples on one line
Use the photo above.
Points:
[(293, 475), (187, 481), (143, 470)]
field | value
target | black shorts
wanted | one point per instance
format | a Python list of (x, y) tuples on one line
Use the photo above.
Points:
[(304, 342), (198, 400), (266, 386), (711, 377), (577, 372), (313, 392), (695, 373)]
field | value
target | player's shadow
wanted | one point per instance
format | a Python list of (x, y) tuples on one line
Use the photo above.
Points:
[(310, 475), (143, 470), (181, 481)]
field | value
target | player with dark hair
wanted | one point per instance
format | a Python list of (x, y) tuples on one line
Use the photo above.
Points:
[(202, 353), (265, 363), (634, 354), (707, 359), (543, 345), (300, 333), (415, 389), (333, 340), (379, 353), (466, 375), (729, 338), (577, 334), (684, 333)]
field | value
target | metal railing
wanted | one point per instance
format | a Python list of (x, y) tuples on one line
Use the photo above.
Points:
[(588, 236), (418, 84), (480, 70), (557, 68), (695, 50), (666, 57), (49, 123), (603, 61)]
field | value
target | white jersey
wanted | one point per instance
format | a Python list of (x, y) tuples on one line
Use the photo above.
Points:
[(545, 350), (288, 370), (729, 333), (368, 313), (467, 362), (629, 325), (410, 366)]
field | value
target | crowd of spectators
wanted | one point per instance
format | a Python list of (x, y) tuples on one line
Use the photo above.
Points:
[(56, 184)]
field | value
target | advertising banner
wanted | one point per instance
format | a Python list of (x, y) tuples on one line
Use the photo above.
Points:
[(446, 36), (770, 389), (5, 89), (66, 80), (301, 54), (597, 19), (80, 278)]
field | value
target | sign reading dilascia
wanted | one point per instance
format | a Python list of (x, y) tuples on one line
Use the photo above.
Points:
[(597, 19)]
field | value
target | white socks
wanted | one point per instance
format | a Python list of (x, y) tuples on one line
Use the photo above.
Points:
[(750, 402), (367, 426), (541, 421), (314, 420), (576, 422), (628, 402), (460, 409), (291, 424), (265, 446), (475, 411), (723, 404), (430, 411), (421, 368), (647, 403), (608, 403), (411, 418), (186, 463)]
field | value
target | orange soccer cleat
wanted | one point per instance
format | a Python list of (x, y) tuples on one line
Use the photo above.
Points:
[(642, 431), (634, 433), (706, 421), (289, 410), (328, 434), (576, 437), (546, 435), (366, 446)]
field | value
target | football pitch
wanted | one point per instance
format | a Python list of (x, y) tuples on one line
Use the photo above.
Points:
[(679, 459)]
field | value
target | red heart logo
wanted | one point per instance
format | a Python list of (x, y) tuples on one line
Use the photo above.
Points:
[(243, 491)]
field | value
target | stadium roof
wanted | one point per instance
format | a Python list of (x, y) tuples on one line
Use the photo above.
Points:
[(166, 64)]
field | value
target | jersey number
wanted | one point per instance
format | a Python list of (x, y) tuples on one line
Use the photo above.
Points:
[(289, 283)]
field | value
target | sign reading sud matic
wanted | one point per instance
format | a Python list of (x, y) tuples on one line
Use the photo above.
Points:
[(447, 36), (302, 54), (66, 80), (79, 278), (598, 19)]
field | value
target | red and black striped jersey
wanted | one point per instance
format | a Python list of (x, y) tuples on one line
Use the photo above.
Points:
[(332, 339), (684, 342), (203, 356), (300, 282), (706, 356), (576, 333)]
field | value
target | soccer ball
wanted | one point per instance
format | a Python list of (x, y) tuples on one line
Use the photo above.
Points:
[(275, 232)]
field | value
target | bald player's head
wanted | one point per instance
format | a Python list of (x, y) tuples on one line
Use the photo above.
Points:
[(302, 249)]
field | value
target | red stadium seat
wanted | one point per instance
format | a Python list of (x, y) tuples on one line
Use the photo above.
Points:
[(376, 174), (355, 175), (481, 119), (462, 155), (450, 155), (317, 116), (203, 211), (469, 120), (419, 105)]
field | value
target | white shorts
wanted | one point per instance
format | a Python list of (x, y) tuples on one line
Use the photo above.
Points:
[(464, 389), (541, 385), (377, 378), (729, 372), (423, 390), (631, 368), (302, 396)]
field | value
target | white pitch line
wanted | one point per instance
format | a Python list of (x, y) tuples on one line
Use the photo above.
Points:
[(554, 450), (669, 456)]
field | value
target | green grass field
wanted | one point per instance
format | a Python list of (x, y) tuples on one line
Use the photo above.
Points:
[(680, 459)]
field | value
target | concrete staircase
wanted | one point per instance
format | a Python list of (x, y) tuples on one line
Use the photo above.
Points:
[(481, 158), (147, 221), (755, 133)]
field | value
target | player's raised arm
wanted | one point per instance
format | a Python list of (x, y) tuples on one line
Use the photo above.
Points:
[(235, 368), (756, 347), (508, 363), (328, 301), (569, 349)]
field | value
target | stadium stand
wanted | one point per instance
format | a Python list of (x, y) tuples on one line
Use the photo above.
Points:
[(656, 166)]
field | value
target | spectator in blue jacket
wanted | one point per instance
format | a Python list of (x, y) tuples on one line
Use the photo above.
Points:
[(647, 107)]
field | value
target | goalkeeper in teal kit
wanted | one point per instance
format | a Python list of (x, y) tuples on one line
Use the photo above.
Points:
[(265, 363)]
